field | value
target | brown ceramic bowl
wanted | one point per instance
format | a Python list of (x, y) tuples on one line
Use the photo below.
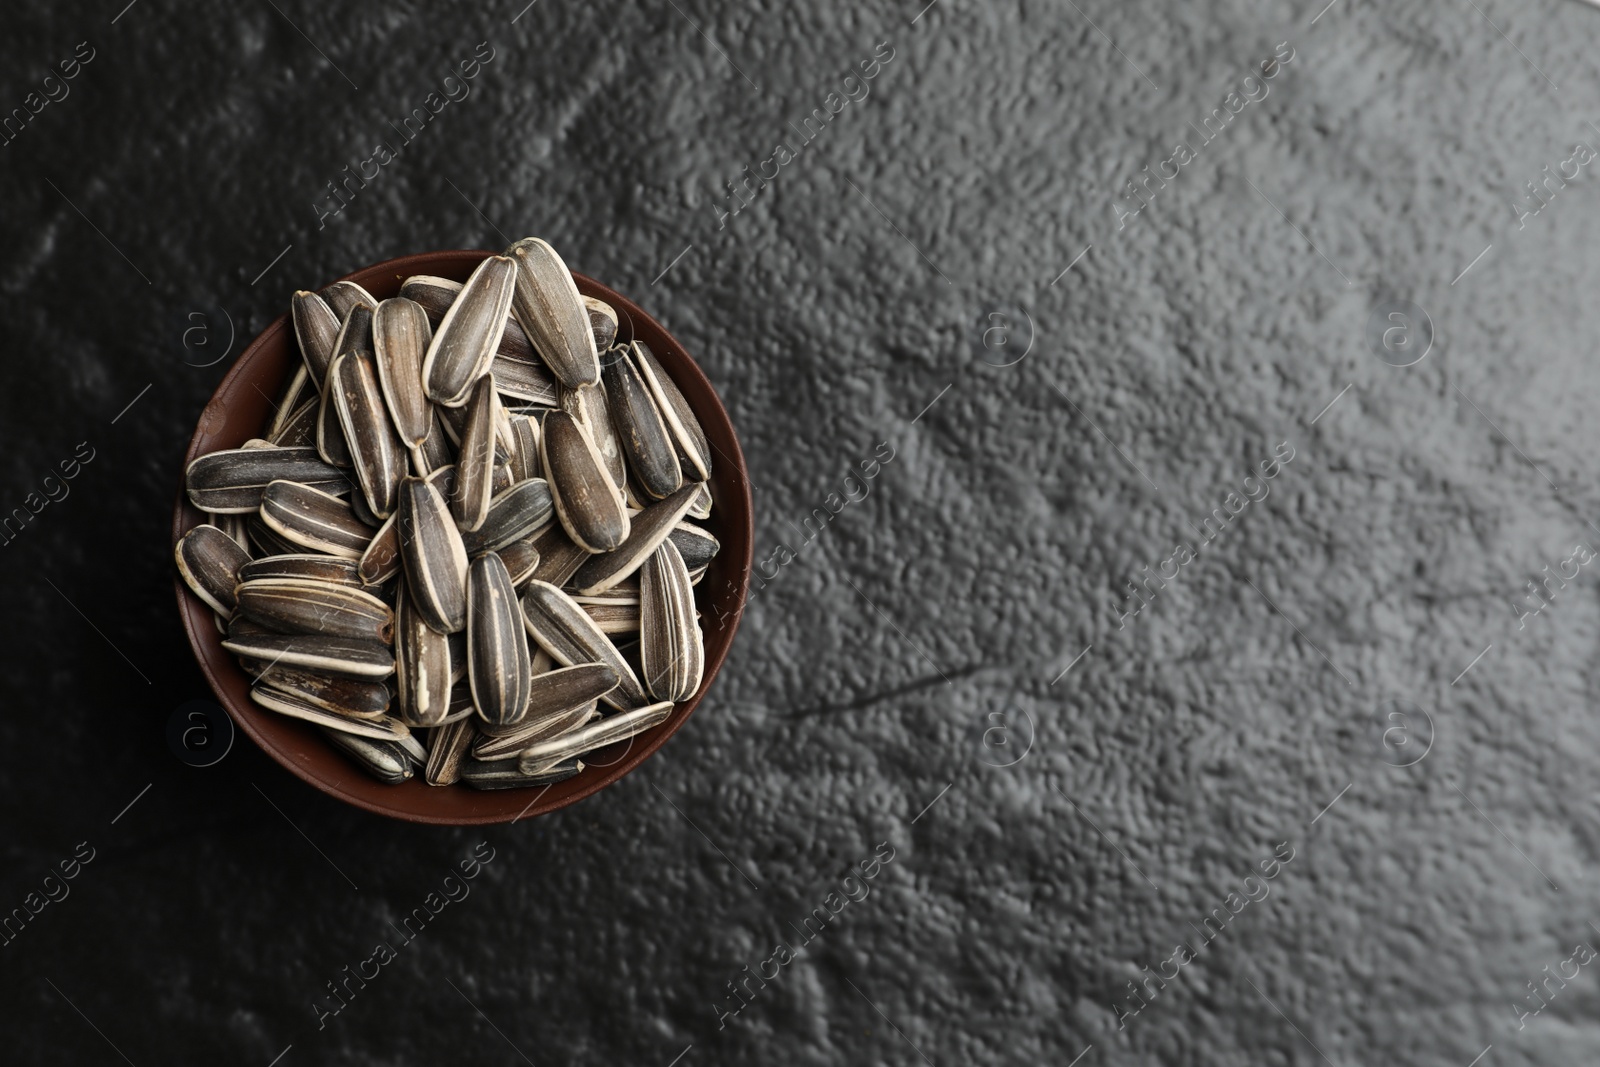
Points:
[(238, 411)]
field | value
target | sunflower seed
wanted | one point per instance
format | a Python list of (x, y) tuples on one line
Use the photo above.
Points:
[(378, 728), (314, 519), (525, 457), (507, 774), (671, 650), (588, 404), (646, 531), (381, 560), (232, 481), (268, 540), (607, 731), (341, 296), (290, 400), (521, 559), (400, 337), (447, 747), (514, 739), (384, 760), (435, 451), (697, 546), (701, 508), (296, 605), (614, 618), (469, 498), (437, 294), (469, 333), (300, 428), (499, 666), (559, 558), (344, 696), (316, 327), (694, 448), (513, 515), (209, 561), (529, 382), (585, 498), (335, 655), (652, 453), (331, 445), (317, 568), (359, 508), (435, 559), (547, 306), (378, 454), (422, 666), (565, 689), (602, 322), (571, 637)]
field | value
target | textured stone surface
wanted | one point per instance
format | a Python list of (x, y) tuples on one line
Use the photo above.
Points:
[(1185, 745)]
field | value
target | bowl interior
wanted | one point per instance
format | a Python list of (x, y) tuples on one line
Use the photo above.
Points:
[(239, 410)]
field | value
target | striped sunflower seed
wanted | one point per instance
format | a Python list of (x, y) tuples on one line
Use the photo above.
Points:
[(346, 656), (646, 531), (386, 761), (298, 390), (376, 450), (437, 294), (343, 296), (608, 731), (469, 498), (547, 306), (602, 322), (701, 508), (521, 559), (209, 561), (232, 481), (314, 567), (300, 428), (401, 334), (507, 773), (378, 728), (447, 748), (694, 449), (345, 696), (499, 665), (422, 666), (652, 453), (331, 445), (585, 498), (434, 558), (614, 618), (381, 560), (563, 629), (268, 540), (312, 519), (671, 650), (469, 333), (298, 605), (525, 457), (525, 380), (559, 558), (516, 738), (589, 405), (697, 546), (514, 515), (316, 327)]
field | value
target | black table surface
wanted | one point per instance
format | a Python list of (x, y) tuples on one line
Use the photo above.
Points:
[(1170, 429)]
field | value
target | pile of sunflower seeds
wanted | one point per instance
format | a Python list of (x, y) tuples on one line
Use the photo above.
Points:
[(469, 515)]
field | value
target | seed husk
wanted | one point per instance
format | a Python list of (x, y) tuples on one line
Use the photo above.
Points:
[(469, 498), (602, 322), (671, 650), (701, 508), (268, 540), (344, 696), (384, 760), (694, 449), (697, 546), (381, 560), (422, 666), (209, 561), (434, 558), (651, 452), (469, 333), (590, 406), (335, 655), (447, 748), (547, 306), (507, 773), (315, 567), (646, 531), (378, 728), (331, 445), (564, 630), (313, 519), (614, 618), (521, 559), (559, 558), (400, 338), (300, 428), (290, 400), (437, 294), (376, 450), (565, 689), (232, 481), (316, 327), (585, 497), (514, 515), (342, 296), (525, 457), (607, 731), (300, 605), (514, 739), (499, 665), (435, 451)]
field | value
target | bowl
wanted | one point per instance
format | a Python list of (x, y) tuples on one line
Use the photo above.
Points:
[(238, 411)]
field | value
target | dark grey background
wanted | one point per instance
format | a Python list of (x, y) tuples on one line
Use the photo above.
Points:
[(976, 588)]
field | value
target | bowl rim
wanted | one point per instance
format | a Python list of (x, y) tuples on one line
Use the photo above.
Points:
[(499, 806)]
